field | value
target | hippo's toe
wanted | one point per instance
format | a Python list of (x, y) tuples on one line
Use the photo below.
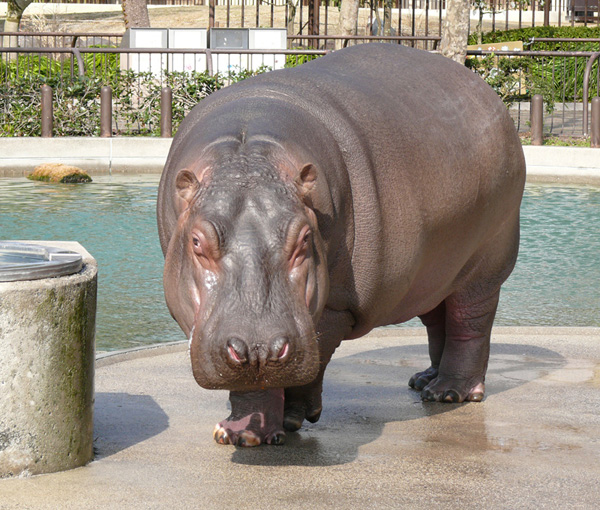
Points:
[(256, 418), (422, 379), (246, 438), (453, 391)]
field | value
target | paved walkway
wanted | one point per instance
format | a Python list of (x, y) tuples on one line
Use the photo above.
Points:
[(122, 155), (533, 443)]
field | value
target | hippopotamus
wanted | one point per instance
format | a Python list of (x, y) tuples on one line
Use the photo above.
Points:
[(307, 206)]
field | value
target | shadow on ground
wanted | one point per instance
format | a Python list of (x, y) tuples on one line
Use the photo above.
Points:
[(366, 392), (122, 420)]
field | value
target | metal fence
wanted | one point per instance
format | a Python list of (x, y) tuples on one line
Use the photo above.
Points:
[(60, 39), (567, 80), (66, 63), (406, 17), (113, 40), (398, 17)]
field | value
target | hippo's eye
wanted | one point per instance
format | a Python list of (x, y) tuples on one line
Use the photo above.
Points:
[(197, 245), (302, 247), (205, 245)]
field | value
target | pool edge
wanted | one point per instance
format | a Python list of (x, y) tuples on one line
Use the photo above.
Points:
[(104, 359), (140, 155)]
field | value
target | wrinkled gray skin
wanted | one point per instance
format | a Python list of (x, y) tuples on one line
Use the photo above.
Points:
[(308, 206)]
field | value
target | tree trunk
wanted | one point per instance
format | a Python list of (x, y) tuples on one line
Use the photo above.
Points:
[(455, 30), (292, 5), (14, 13), (547, 13), (135, 13), (387, 18), (479, 28), (348, 19)]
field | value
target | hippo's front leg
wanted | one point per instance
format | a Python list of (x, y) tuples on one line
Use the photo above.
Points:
[(304, 402), (259, 417), (256, 418)]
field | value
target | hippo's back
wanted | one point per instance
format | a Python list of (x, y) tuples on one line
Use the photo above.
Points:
[(430, 152)]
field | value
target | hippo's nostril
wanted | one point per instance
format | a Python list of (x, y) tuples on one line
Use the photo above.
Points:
[(237, 350), (279, 348)]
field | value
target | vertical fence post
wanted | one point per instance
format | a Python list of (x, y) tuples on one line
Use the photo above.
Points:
[(537, 119), (105, 112), (595, 134), (166, 112), (211, 13), (47, 115)]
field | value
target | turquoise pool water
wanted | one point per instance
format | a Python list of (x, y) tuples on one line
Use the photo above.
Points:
[(556, 281)]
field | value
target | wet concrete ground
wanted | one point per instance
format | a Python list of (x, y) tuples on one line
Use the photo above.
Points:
[(533, 443)]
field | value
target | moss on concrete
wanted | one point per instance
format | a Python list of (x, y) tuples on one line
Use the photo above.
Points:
[(57, 172)]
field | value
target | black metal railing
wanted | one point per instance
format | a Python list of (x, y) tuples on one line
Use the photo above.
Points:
[(560, 76), (567, 80), (407, 17)]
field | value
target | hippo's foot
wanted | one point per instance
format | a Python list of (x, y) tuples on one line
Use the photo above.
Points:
[(256, 418), (302, 403), (453, 390), (422, 379)]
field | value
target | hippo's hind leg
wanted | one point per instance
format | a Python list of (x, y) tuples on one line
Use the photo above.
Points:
[(459, 329), (435, 322), (466, 348)]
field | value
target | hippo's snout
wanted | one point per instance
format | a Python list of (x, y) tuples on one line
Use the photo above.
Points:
[(277, 350), (239, 362)]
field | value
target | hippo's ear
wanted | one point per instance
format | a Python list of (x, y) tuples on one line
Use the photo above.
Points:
[(306, 179), (187, 185)]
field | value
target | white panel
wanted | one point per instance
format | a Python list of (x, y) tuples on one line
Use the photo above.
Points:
[(148, 39), (187, 38), (267, 39)]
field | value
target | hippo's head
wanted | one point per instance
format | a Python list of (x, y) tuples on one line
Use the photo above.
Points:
[(245, 272)]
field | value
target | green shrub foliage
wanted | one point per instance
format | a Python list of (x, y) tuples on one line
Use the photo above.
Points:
[(76, 99), (529, 34), (558, 79), (136, 96)]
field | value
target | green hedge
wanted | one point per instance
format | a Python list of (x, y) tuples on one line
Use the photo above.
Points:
[(76, 100), (527, 34), (558, 79)]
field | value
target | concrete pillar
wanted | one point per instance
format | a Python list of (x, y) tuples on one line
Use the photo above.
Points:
[(47, 330)]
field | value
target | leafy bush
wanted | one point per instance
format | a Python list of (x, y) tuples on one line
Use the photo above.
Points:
[(516, 79), (531, 33), (76, 106), (558, 79), (76, 100), (295, 60), (101, 65)]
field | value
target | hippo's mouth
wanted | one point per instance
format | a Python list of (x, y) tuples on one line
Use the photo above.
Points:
[(236, 368)]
